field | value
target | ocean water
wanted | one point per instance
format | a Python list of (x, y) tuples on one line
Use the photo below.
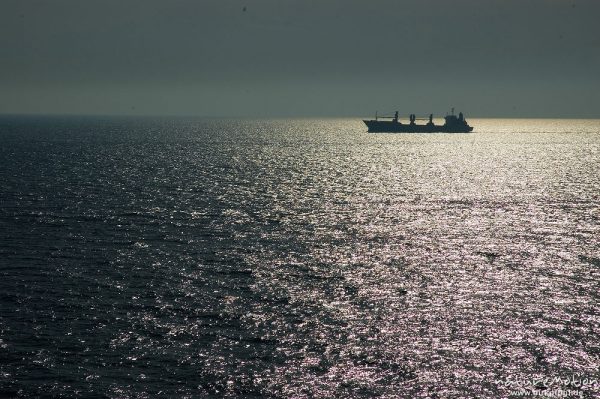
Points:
[(297, 258)]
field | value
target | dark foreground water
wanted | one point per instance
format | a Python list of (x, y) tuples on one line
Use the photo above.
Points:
[(298, 258)]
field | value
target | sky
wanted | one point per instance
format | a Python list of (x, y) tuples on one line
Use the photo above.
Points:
[(292, 58)]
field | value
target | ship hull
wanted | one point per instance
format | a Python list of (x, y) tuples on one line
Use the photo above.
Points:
[(397, 127)]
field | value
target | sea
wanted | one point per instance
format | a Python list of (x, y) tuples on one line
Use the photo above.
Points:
[(298, 258)]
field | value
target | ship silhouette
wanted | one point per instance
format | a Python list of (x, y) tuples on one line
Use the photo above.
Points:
[(453, 124)]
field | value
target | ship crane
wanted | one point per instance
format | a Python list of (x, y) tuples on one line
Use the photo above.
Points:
[(377, 116)]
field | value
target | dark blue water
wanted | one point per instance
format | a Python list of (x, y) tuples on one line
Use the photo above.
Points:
[(296, 258)]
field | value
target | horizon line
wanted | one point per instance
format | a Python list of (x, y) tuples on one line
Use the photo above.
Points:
[(265, 117)]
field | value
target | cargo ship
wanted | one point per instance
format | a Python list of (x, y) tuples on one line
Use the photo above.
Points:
[(453, 124)]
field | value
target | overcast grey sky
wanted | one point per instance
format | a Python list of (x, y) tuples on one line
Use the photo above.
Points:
[(531, 58)]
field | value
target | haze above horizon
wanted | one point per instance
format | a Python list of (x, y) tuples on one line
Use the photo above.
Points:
[(269, 58)]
